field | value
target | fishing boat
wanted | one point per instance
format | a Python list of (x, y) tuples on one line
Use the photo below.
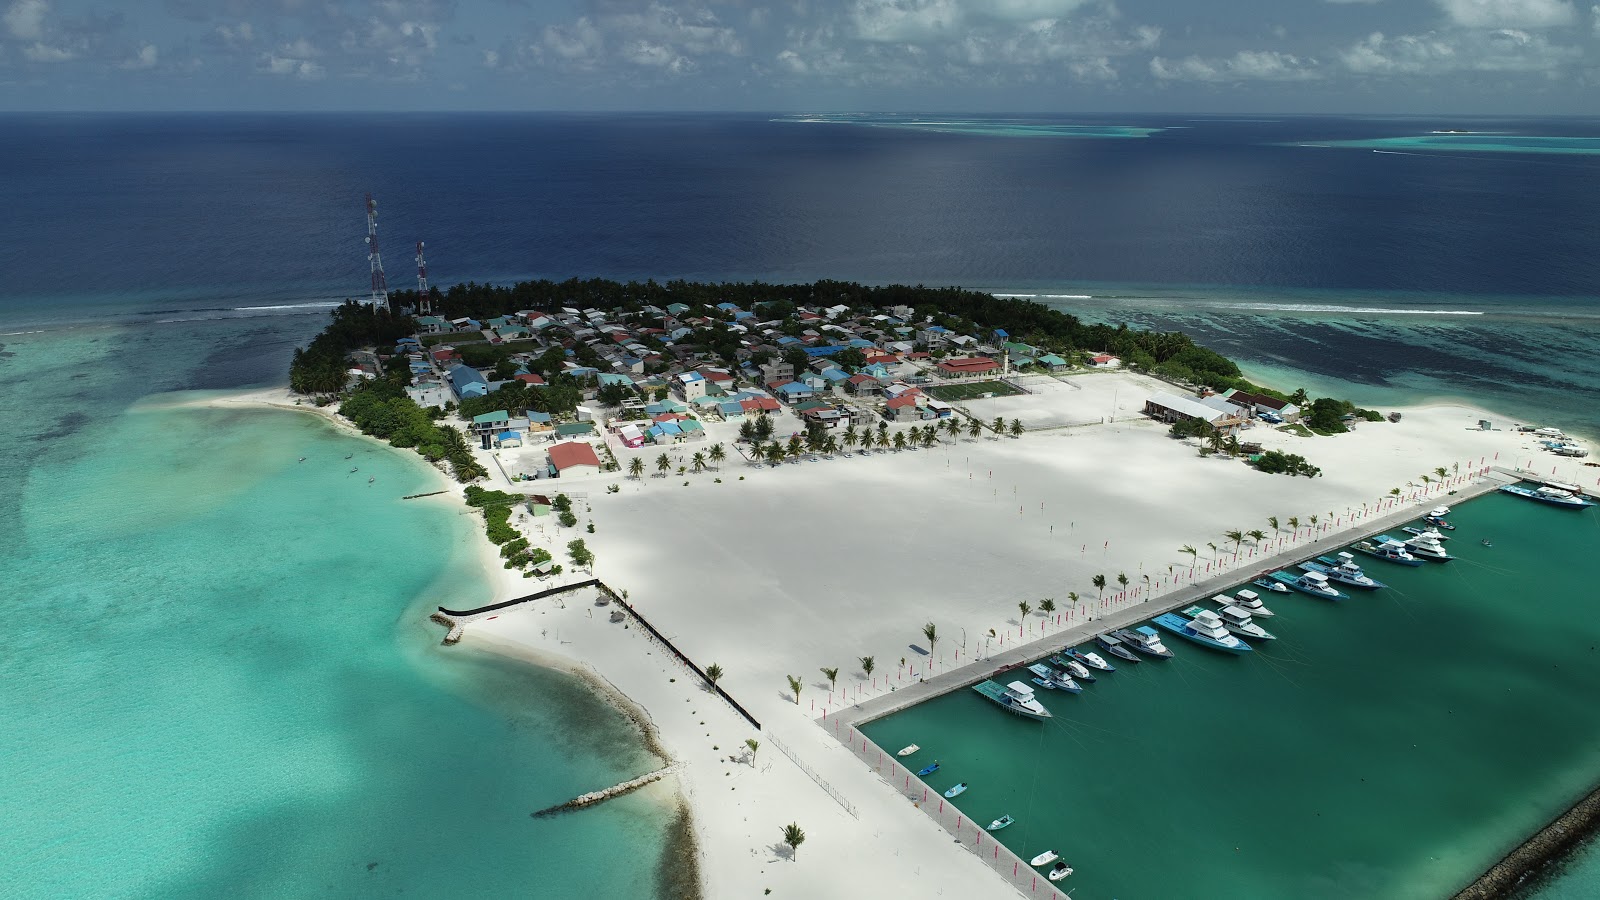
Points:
[(956, 791), (1235, 620), (1313, 583), (1425, 532), (1145, 640), (1074, 668), (1436, 518), (1393, 551), (1423, 548), (1343, 569), (1044, 676), (1092, 660), (1267, 584), (1114, 646), (1251, 601), (1060, 871), (1015, 697), (1044, 859), (1000, 823), (1205, 629), (907, 750), (925, 771), (1552, 495)]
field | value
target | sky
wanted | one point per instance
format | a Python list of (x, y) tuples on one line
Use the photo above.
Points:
[(1283, 56)]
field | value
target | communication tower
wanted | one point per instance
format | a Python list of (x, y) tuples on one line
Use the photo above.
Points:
[(380, 284), (424, 302)]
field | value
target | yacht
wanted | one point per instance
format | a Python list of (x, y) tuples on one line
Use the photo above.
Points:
[(1205, 628), (1313, 583), (1015, 697), (1343, 569), (1074, 668), (1092, 660), (1429, 532), (1552, 495), (1251, 601), (1240, 622), (1114, 646), (1145, 640), (1424, 548), (1393, 551)]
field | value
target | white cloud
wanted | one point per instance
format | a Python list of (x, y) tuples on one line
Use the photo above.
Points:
[(40, 52), (1509, 13), (1440, 53), (1594, 12), (491, 59), (146, 58), (905, 21), (1246, 65), (1349, 2), (25, 19), (652, 36)]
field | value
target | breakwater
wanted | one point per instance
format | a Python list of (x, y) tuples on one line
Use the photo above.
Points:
[(617, 790), (1505, 878)]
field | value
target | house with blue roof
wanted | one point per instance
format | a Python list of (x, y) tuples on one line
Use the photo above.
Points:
[(467, 382), (664, 432), (677, 309), (664, 407), (824, 350), (508, 439), (606, 378), (835, 376), (728, 307), (1001, 335), (1054, 363), (741, 315), (795, 391), (730, 409), (788, 341)]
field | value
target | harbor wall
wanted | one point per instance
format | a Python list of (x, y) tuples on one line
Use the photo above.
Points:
[(1507, 878)]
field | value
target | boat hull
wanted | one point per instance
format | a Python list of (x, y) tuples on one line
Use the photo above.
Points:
[(1146, 651), (995, 694), (1171, 623), (1389, 559), (1293, 584)]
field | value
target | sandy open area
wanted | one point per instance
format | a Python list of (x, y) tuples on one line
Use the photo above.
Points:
[(781, 571)]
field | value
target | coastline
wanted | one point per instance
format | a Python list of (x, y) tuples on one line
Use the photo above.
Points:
[(1524, 867)]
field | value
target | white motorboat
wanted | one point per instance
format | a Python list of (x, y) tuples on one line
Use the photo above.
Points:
[(1059, 871), (1251, 601), (1238, 621), (1428, 548), (1015, 697), (907, 750), (1044, 859)]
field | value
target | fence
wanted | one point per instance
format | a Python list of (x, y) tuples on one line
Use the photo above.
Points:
[(811, 773)]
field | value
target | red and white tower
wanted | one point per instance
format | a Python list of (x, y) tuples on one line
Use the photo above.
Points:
[(424, 302), (380, 284)]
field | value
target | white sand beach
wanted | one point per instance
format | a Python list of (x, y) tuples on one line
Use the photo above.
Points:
[(781, 571)]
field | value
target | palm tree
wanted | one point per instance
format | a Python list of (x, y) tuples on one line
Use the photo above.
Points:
[(931, 632), (1099, 581), (794, 837), (795, 685), (831, 674), (866, 665), (1233, 445), (1273, 521), (1122, 580), (974, 428), (636, 467), (698, 461), (1427, 480), (775, 454), (1394, 492), (830, 446), (1257, 535), (953, 427), (1213, 547), (713, 674), (718, 454), (999, 426), (1194, 555), (1024, 608), (663, 463), (930, 435), (1313, 520), (754, 745), (1294, 523), (850, 437), (1442, 472), (899, 440), (1072, 597), (794, 446), (1237, 537), (1047, 605), (747, 431), (1016, 428)]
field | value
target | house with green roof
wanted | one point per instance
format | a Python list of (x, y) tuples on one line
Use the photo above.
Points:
[(490, 421), (574, 429)]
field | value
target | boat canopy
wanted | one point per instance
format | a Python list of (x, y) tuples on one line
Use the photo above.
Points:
[(1224, 599), (1207, 618), (1314, 577), (1248, 595), (1023, 691), (1346, 556), (1439, 512)]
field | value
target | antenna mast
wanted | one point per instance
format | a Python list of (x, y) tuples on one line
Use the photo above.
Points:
[(380, 284), (424, 302)]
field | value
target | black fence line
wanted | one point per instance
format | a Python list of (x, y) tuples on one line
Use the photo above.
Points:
[(597, 583)]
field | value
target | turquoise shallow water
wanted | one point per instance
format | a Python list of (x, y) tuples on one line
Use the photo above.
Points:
[(218, 680), (1473, 143), (1389, 747)]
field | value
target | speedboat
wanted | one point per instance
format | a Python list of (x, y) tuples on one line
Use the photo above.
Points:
[(1343, 569), (907, 750), (1114, 646), (956, 791), (1074, 668), (1000, 823), (1044, 676), (1235, 620), (1060, 871), (1267, 584), (1424, 548), (1251, 601), (1438, 522), (1391, 550), (1205, 629), (1044, 859), (1425, 532), (925, 771), (1552, 495), (1015, 697), (1092, 660), (1313, 583), (1145, 640)]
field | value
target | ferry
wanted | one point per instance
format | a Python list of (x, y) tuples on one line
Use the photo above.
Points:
[(1114, 646), (1015, 697), (1235, 620), (1074, 668), (1205, 629), (1424, 548), (1343, 569), (1092, 660), (1552, 495), (1145, 640), (1250, 600), (1393, 551), (1313, 583)]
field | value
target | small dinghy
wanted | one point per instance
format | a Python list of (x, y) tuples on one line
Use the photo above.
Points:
[(1060, 871), (907, 750), (1000, 823), (302, 459), (956, 791), (1044, 859), (928, 770)]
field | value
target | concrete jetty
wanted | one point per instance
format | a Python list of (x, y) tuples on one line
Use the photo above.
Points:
[(617, 790)]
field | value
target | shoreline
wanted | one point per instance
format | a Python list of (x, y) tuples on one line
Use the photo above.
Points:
[(1526, 866)]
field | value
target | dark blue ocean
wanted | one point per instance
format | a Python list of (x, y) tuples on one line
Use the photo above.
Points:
[(146, 254)]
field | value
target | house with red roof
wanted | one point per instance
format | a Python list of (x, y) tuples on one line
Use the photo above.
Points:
[(968, 367), (573, 458)]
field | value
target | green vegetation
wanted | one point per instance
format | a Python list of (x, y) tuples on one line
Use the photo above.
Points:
[(381, 408), (970, 390), (1278, 462), (321, 367)]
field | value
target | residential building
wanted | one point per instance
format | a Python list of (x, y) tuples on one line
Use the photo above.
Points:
[(573, 458), (968, 367)]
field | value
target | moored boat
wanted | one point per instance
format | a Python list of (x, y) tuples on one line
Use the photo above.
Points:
[(1546, 494), (1343, 569), (1092, 660), (1313, 583), (1060, 871), (1251, 601), (927, 770), (1144, 639), (1267, 584), (1114, 646), (957, 791), (1235, 620), (907, 750), (1015, 697), (1205, 629), (1002, 822), (1430, 532), (1044, 676), (1393, 551), (1044, 859), (1074, 668), (1423, 548)]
